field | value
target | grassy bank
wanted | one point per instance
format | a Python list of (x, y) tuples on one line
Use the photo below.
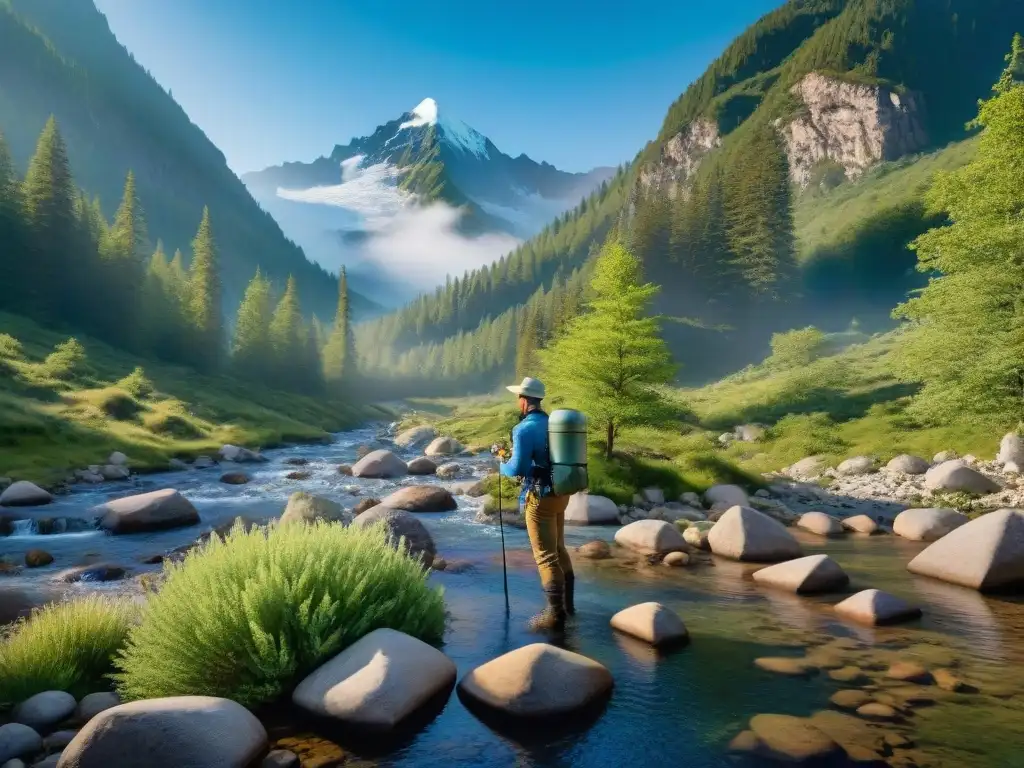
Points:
[(53, 420), (846, 404)]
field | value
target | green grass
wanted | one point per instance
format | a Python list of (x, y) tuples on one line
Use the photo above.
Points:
[(66, 646), (272, 606), (51, 424)]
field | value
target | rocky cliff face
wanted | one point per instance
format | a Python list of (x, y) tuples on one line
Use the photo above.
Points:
[(850, 125), (681, 157)]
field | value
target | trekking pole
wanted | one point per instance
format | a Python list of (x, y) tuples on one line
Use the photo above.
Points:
[(501, 527)]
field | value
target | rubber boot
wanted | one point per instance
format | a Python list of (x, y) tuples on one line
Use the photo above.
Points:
[(570, 598), (552, 618)]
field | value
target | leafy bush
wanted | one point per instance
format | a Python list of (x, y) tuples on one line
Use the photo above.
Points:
[(10, 347), (119, 405), (67, 646), (136, 384), (247, 617), (798, 347), (172, 425), (67, 360)]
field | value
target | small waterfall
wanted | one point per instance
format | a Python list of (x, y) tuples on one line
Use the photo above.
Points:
[(24, 528)]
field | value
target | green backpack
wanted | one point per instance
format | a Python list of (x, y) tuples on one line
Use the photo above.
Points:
[(567, 451)]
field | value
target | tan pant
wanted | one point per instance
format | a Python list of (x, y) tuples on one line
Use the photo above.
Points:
[(545, 522)]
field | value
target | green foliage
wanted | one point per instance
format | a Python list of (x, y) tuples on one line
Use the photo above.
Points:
[(67, 361), (966, 341), (797, 347), (610, 358), (137, 384), (250, 353), (65, 646), (339, 352), (118, 404), (10, 347), (273, 605), (204, 305)]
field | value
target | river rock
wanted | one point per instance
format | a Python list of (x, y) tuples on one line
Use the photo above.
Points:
[(675, 512), (421, 498), (650, 537), (18, 740), (307, 508), (909, 672), (377, 682), (786, 665), (239, 455), (984, 554), (750, 433), (203, 462), (443, 446), (380, 464), (690, 499), (860, 524), (875, 608), (907, 464), (401, 525), (745, 534), (696, 534), (927, 524), (858, 465), (472, 488), (364, 504), (114, 472), (422, 466), (862, 742), (415, 437), (538, 681), (676, 559), (177, 465), (91, 573), (235, 478), (653, 495), (651, 622), (725, 496), (820, 524), (792, 739), (594, 550), (449, 471), (806, 469), (345, 469), (24, 494), (281, 758), (805, 575), (37, 558), (153, 511), (850, 699), (588, 509), (58, 740), (94, 703), (194, 731), (956, 476), (117, 458), (1011, 450), (44, 710)]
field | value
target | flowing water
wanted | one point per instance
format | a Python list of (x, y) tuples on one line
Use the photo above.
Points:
[(680, 708)]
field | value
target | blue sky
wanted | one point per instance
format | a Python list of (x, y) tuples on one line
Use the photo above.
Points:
[(575, 83)]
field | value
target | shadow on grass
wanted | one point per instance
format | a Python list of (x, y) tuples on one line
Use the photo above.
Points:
[(725, 471)]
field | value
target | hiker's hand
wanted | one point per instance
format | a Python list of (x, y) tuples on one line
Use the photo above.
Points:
[(500, 450)]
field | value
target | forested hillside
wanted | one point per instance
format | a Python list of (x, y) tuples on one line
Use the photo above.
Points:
[(59, 57), (725, 206)]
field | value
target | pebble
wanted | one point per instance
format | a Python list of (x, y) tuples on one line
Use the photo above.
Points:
[(877, 711)]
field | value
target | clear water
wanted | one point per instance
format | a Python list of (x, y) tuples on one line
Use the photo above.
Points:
[(677, 709)]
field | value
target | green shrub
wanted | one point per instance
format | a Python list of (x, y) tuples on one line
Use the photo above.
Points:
[(172, 425), (10, 347), (67, 646), (136, 384), (798, 347), (67, 360), (248, 617), (119, 405)]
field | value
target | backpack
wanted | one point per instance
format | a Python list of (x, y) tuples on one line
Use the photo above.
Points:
[(567, 451)]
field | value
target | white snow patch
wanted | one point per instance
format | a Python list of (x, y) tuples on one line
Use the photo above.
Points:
[(424, 113), (458, 134)]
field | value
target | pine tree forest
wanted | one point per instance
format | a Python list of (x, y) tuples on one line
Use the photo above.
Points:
[(68, 266)]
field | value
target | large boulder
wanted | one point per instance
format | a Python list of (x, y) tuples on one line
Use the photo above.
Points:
[(194, 731), (44, 710), (377, 682), (538, 681), (726, 496), (860, 524), (380, 464), (587, 509), (24, 494), (421, 498), (650, 537), (858, 465), (307, 508), (805, 575), (653, 495), (819, 523), (401, 526), (114, 472), (745, 534), (908, 465), (956, 476), (927, 524), (443, 446), (875, 608), (652, 623), (17, 740), (1011, 450), (985, 554), (422, 466), (153, 511), (235, 478), (415, 437), (364, 504), (807, 469)]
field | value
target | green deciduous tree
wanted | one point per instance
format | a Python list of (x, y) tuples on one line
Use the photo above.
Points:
[(966, 339), (204, 300), (611, 359)]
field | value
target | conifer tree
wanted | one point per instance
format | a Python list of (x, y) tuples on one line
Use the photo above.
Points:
[(251, 353), (119, 314), (204, 305), (527, 343), (287, 337), (611, 358), (340, 348), (12, 234)]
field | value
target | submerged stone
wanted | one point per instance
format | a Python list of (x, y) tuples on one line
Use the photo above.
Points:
[(792, 739), (651, 622), (874, 607), (805, 575)]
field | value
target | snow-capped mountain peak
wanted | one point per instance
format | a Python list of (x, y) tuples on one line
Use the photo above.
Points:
[(457, 133)]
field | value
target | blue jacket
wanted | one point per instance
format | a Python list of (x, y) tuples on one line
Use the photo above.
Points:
[(529, 450)]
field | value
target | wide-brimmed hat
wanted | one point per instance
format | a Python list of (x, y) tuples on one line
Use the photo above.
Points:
[(529, 388)]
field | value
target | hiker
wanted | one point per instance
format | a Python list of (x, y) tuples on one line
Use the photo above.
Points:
[(543, 510)]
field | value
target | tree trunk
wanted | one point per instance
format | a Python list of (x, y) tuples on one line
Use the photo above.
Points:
[(611, 439)]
